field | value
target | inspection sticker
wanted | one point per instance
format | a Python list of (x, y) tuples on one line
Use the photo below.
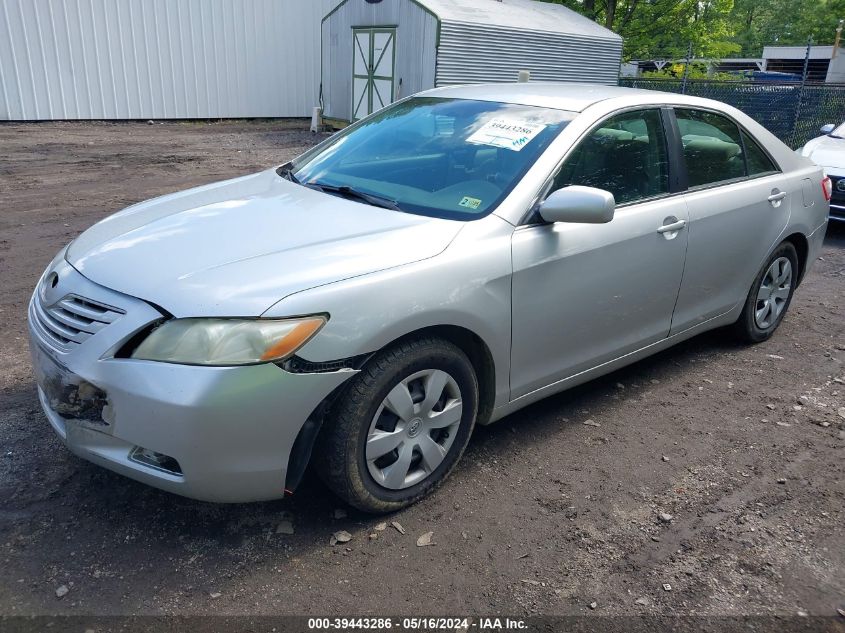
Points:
[(469, 203), (511, 134)]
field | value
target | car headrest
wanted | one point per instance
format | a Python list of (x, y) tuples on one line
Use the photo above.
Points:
[(714, 147), (611, 134)]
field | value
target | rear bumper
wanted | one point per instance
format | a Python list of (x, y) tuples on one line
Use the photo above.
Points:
[(815, 241), (230, 429)]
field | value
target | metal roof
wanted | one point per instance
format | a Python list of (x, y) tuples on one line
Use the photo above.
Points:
[(561, 96), (797, 52), (518, 14)]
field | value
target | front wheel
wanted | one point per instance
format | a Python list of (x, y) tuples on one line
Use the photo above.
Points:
[(400, 427), (770, 296)]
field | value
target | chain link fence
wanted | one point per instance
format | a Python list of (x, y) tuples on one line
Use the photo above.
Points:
[(792, 112), (788, 97)]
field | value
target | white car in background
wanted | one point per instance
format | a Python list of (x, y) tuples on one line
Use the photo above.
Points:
[(828, 151)]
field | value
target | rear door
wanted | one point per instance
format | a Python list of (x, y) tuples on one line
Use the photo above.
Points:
[(739, 204)]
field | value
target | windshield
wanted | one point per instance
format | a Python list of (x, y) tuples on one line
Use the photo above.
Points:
[(448, 158)]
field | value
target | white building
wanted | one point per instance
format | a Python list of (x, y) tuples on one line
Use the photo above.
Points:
[(159, 59), (375, 51), (198, 59), (822, 64)]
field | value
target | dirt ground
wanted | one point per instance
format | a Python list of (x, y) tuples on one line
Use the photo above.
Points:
[(743, 446)]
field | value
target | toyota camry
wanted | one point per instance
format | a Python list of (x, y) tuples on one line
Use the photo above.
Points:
[(442, 263)]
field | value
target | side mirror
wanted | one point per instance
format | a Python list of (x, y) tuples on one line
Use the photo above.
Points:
[(586, 205), (827, 129)]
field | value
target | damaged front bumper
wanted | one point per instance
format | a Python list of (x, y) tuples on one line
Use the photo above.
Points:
[(213, 433)]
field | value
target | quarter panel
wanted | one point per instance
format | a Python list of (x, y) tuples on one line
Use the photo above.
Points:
[(810, 212), (809, 208)]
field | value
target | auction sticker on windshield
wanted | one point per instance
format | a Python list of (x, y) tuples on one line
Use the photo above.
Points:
[(511, 134)]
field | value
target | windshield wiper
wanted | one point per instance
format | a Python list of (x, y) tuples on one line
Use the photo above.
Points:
[(348, 192), (287, 172)]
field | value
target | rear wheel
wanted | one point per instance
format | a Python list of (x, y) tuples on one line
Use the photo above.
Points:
[(770, 296), (400, 427)]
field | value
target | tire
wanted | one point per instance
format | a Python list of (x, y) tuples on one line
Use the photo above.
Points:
[(364, 413), (773, 282)]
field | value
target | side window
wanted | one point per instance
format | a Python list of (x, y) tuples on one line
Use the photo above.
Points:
[(758, 161), (625, 155), (712, 147)]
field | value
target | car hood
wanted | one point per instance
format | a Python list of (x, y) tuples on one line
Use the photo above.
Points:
[(236, 247), (827, 152)]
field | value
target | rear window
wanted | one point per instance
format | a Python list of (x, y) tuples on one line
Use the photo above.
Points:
[(758, 161), (713, 147)]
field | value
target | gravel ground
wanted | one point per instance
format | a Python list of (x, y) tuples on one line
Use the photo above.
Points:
[(742, 446)]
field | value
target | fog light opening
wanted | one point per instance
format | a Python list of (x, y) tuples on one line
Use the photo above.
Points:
[(158, 461)]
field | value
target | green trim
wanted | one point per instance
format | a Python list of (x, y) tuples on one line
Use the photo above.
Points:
[(376, 93), (394, 28), (371, 90), (356, 47), (377, 27), (416, 2), (391, 37)]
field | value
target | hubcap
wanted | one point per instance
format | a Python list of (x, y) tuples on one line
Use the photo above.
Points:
[(413, 429), (773, 293)]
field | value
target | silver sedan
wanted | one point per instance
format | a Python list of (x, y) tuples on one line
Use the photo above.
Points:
[(440, 264)]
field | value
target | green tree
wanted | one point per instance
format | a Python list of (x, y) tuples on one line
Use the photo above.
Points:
[(823, 20), (759, 23), (715, 28), (664, 28)]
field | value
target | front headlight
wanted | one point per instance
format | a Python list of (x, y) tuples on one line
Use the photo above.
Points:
[(222, 342)]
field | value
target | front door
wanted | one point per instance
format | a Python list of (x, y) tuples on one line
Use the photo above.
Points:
[(372, 70), (585, 294)]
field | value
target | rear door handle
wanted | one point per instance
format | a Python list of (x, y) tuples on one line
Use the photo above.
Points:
[(777, 197), (675, 226)]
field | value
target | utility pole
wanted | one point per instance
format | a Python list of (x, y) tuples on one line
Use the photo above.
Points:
[(801, 89), (837, 40), (686, 70)]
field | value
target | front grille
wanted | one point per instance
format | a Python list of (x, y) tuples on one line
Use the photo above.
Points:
[(70, 321)]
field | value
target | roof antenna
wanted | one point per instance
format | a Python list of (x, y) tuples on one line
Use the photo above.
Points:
[(524, 76)]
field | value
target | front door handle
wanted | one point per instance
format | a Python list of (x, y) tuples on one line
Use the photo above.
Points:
[(671, 228)]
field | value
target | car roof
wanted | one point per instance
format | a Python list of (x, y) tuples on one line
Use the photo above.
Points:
[(573, 97)]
